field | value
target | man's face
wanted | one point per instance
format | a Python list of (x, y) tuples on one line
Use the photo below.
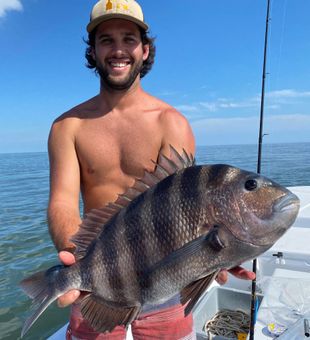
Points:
[(119, 53)]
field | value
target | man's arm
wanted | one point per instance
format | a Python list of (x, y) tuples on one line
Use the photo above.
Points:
[(63, 208)]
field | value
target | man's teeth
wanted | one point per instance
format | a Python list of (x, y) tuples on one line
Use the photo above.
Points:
[(119, 64)]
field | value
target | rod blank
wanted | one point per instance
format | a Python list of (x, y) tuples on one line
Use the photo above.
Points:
[(307, 329)]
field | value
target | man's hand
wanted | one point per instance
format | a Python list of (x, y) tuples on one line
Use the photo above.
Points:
[(238, 272), (67, 259)]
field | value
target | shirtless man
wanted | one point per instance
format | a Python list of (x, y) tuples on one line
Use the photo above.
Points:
[(100, 147)]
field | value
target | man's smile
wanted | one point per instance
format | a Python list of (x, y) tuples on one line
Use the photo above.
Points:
[(119, 65)]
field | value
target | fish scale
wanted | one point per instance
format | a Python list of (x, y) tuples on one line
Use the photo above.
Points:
[(166, 236)]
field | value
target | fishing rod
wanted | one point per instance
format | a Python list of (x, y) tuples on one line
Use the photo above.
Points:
[(260, 143)]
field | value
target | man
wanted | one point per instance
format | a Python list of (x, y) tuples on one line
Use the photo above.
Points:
[(103, 144)]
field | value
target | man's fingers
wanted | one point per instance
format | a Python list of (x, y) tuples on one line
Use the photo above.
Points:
[(222, 277), (238, 272), (66, 257), (242, 273), (68, 298)]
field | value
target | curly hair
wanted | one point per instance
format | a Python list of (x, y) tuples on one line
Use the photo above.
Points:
[(146, 40)]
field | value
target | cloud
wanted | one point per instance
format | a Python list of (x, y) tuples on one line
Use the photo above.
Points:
[(9, 5), (228, 104), (222, 131), (210, 106), (244, 130), (298, 124), (187, 108), (218, 104), (165, 93), (288, 93), (274, 99)]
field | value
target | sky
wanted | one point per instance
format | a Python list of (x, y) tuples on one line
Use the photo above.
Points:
[(208, 66)]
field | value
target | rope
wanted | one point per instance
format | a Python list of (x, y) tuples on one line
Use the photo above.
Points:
[(227, 323)]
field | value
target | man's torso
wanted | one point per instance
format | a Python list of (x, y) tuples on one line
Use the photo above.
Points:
[(114, 148)]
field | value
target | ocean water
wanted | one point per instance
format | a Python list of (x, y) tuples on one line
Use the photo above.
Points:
[(25, 246)]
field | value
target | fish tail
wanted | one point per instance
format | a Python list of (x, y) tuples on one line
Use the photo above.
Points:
[(42, 289)]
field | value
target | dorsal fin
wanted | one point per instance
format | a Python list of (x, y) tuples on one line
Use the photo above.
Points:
[(95, 220)]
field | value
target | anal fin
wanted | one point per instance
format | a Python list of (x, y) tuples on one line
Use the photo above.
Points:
[(104, 316), (195, 290)]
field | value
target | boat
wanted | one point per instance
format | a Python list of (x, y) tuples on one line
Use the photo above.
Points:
[(283, 280)]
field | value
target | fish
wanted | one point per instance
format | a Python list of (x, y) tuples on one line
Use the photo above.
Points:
[(170, 233)]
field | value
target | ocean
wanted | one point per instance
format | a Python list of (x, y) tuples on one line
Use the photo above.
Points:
[(25, 246)]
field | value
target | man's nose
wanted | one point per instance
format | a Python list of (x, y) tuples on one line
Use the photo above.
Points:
[(118, 49)]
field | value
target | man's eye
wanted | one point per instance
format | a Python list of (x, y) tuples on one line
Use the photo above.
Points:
[(105, 41), (130, 40)]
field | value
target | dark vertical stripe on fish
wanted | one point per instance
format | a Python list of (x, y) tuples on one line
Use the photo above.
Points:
[(162, 224), (135, 237), (190, 199), (109, 253)]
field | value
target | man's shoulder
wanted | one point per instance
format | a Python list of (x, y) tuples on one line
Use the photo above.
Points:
[(167, 111), (175, 129), (172, 116), (76, 113), (68, 123)]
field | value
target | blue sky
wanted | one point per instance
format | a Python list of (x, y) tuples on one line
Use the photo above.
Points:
[(208, 65)]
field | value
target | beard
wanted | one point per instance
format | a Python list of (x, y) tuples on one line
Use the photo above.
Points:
[(118, 84)]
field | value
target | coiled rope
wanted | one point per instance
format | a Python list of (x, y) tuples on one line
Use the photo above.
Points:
[(228, 323)]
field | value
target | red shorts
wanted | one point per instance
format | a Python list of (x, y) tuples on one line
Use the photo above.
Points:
[(164, 324)]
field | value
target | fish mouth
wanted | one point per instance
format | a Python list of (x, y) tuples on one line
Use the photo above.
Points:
[(265, 232), (287, 203)]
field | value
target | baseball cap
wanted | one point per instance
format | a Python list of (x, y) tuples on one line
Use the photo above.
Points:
[(105, 10)]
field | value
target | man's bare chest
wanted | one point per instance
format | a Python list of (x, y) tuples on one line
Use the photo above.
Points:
[(108, 150)]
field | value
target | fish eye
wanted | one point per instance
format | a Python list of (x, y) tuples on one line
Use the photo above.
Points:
[(250, 184)]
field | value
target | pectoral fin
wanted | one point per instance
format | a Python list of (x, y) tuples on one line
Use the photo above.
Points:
[(177, 256), (195, 290), (211, 239), (104, 316)]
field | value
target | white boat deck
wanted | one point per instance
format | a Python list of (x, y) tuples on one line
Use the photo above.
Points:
[(295, 246), (287, 294)]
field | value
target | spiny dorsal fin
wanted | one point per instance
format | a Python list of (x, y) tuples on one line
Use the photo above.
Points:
[(92, 225), (182, 161), (95, 220), (104, 317)]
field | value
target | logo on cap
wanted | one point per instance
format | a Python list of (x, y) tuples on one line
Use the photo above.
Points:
[(109, 5), (118, 5)]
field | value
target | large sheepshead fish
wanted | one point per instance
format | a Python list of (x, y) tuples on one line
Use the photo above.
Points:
[(170, 233)]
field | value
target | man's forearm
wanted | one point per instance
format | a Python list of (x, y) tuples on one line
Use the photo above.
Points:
[(63, 223)]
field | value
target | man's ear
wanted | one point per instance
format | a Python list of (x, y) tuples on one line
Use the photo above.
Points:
[(92, 53), (146, 51)]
